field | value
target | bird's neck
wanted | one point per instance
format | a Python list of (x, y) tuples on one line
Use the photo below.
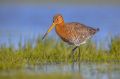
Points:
[(60, 28), (61, 24)]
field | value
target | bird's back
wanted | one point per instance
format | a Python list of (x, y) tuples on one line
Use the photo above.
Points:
[(76, 33)]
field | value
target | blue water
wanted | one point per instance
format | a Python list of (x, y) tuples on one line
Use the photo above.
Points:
[(23, 22)]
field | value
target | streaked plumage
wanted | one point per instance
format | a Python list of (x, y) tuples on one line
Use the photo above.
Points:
[(75, 33)]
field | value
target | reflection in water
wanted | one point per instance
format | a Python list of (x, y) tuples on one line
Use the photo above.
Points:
[(88, 71), (73, 61)]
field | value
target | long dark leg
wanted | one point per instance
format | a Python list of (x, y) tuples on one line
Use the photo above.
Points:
[(79, 59), (73, 50), (72, 55), (79, 55)]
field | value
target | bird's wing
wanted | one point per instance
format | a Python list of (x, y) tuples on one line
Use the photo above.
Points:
[(79, 32)]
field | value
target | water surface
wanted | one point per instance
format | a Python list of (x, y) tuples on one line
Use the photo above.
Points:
[(87, 71)]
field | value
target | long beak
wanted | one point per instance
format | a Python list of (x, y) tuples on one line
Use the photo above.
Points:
[(51, 27)]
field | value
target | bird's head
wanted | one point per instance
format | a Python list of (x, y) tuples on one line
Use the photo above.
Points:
[(57, 19)]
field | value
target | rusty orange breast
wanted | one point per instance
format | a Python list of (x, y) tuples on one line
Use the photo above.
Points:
[(60, 30)]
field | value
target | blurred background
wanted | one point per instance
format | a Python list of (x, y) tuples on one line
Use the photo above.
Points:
[(21, 20)]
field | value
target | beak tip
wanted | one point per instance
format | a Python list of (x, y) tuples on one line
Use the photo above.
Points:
[(44, 36)]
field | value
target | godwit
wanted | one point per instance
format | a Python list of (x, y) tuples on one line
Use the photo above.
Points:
[(73, 33)]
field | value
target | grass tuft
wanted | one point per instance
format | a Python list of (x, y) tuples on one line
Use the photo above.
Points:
[(52, 51)]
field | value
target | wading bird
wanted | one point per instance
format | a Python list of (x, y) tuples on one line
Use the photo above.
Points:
[(73, 33)]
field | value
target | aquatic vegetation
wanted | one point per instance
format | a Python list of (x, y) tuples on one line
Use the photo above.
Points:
[(55, 51), (22, 75)]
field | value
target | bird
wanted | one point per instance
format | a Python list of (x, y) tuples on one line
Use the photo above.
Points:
[(73, 33)]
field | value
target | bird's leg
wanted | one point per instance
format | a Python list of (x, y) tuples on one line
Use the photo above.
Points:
[(73, 51), (72, 55), (79, 55)]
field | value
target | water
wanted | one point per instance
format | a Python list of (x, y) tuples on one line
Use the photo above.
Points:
[(23, 22), (86, 70)]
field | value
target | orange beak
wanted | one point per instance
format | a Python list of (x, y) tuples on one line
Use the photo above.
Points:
[(51, 27)]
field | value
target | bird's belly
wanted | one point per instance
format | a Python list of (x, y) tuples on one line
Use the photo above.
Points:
[(79, 41)]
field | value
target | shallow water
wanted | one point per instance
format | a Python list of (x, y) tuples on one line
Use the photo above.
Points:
[(87, 71)]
